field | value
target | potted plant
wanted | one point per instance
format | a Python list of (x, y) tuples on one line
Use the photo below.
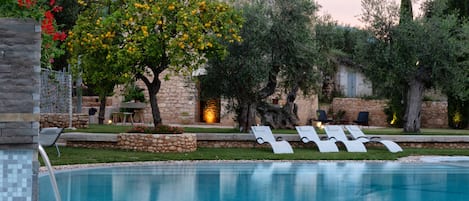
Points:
[(134, 93)]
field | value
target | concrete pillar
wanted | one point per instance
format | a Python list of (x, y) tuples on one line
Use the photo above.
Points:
[(20, 53)]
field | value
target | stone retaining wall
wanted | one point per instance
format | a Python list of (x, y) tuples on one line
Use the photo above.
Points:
[(433, 114), (61, 120), (436, 145), (161, 143), (242, 141), (247, 144), (352, 106), (93, 145)]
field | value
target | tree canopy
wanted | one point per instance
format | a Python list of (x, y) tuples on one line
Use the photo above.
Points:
[(278, 50), (149, 37), (413, 55)]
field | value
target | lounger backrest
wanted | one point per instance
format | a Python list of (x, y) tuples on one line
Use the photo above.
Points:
[(335, 132), (322, 116), (263, 132), (48, 136), (355, 131), (363, 117), (308, 132)]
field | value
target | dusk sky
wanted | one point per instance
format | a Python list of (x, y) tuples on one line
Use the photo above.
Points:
[(344, 11)]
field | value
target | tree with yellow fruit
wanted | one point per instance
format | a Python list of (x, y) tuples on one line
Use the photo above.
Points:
[(93, 43), (150, 37)]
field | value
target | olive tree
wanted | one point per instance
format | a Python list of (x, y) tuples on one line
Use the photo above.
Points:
[(278, 51), (412, 54)]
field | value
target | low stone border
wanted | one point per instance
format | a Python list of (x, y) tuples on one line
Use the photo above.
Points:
[(237, 140), (161, 143), (62, 120)]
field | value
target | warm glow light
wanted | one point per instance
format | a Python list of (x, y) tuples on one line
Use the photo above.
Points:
[(209, 116), (109, 122), (210, 111), (319, 124), (394, 118), (457, 118)]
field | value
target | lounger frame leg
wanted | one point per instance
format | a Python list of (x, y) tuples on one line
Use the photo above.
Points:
[(58, 151)]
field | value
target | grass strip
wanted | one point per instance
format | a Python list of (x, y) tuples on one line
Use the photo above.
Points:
[(72, 155)]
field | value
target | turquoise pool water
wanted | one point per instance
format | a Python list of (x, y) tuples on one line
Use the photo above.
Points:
[(264, 181)]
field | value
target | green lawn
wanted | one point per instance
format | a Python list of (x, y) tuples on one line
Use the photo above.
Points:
[(84, 156), (95, 128)]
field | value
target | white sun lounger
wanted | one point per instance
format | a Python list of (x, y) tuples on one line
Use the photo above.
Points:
[(264, 134), (357, 134), (337, 133), (49, 136), (308, 134)]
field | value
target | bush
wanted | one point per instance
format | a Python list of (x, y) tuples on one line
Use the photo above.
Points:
[(458, 113), (160, 129)]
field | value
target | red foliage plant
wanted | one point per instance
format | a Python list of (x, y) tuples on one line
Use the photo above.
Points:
[(48, 23)]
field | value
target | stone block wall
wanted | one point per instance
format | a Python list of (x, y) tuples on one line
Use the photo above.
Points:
[(433, 115), (177, 100), (161, 143), (63, 120), (20, 53), (352, 106), (93, 101), (178, 97)]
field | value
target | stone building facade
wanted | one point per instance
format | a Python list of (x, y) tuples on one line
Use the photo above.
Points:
[(179, 103)]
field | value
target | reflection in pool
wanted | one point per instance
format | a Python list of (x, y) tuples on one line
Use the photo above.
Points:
[(263, 181)]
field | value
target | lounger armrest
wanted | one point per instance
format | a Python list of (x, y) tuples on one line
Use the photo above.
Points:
[(305, 140), (374, 139), (332, 138), (260, 140), (365, 137), (279, 138)]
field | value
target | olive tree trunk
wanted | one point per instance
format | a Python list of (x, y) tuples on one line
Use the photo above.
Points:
[(246, 116), (102, 109), (277, 116), (412, 119)]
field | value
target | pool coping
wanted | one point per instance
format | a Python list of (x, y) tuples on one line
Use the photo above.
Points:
[(43, 169)]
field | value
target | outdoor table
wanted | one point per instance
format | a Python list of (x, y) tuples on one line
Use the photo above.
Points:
[(135, 106)]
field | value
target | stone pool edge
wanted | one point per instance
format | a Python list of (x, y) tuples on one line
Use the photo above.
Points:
[(42, 169)]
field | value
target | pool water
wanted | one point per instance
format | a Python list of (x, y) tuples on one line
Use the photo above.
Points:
[(263, 181)]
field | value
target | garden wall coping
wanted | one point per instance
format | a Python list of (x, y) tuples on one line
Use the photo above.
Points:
[(106, 137)]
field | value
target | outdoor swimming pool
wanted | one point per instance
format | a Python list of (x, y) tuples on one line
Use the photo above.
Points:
[(264, 181)]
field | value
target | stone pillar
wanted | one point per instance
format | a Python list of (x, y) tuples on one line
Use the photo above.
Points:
[(20, 53)]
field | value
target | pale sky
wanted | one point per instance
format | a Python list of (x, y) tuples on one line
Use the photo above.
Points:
[(344, 11)]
